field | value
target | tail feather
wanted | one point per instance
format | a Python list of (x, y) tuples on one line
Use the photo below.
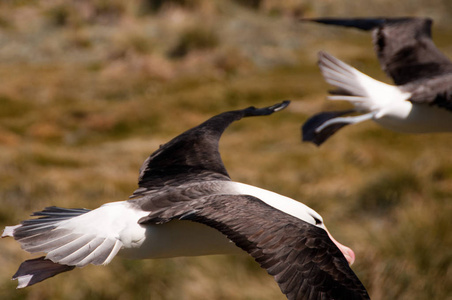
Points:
[(36, 270)]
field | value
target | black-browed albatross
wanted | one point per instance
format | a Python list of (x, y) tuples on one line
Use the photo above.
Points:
[(184, 186), (420, 101)]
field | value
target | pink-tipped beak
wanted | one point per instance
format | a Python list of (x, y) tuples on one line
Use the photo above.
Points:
[(348, 253)]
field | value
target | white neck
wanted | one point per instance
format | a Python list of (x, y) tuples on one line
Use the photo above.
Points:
[(280, 202)]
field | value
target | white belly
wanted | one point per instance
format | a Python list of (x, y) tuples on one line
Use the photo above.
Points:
[(187, 238), (179, 238), (417, 118)]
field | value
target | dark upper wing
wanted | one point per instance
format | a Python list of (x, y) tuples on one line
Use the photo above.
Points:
[(435, 91), (194, 154), (305, 263), (404, 46)]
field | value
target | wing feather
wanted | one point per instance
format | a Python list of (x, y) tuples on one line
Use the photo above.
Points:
[(305, 263), (194, 154)]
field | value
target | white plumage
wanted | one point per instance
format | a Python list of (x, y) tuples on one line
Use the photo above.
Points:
[(386, 104)]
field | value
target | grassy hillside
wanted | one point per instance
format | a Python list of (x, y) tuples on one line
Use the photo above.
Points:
[(90, 88)]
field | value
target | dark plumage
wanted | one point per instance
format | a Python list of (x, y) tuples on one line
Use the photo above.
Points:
[(186, 204), (301, 257)]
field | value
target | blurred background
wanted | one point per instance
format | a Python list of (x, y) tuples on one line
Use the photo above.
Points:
[(88, 89)]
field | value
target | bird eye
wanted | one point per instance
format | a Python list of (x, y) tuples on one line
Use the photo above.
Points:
[(317, 221)]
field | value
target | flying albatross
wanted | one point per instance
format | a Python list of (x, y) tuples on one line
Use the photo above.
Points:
[(187, 205), (419, 102)]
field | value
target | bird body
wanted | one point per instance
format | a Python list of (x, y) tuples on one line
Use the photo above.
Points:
[(404, 116), (119, 222), (387, 105), (187, 205), (421, 100)]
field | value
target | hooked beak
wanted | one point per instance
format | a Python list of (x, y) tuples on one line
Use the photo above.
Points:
[(346, 251)]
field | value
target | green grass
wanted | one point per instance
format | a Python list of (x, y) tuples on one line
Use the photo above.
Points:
[(87, 95)]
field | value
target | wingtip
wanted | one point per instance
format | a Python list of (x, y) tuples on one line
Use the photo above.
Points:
[(323, 55), (280, 106), (23, 281), (310, 130), (264, 111), (36, 270), (312, 141), (9, 231), (358, 23), (316, 20), (302, 19), (328, 61), (308, 135)]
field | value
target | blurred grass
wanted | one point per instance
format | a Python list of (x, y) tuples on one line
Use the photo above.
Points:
[(90, 88)]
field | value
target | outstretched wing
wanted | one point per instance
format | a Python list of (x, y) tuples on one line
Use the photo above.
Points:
[(70, 238), (305, 263), (404, 46), (193, 154), (435, 92)]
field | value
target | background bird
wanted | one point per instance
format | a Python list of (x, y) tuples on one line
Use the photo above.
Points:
[(419, 102), (87, 92)]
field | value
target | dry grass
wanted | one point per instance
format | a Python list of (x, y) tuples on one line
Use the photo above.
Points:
[(90, 89)]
